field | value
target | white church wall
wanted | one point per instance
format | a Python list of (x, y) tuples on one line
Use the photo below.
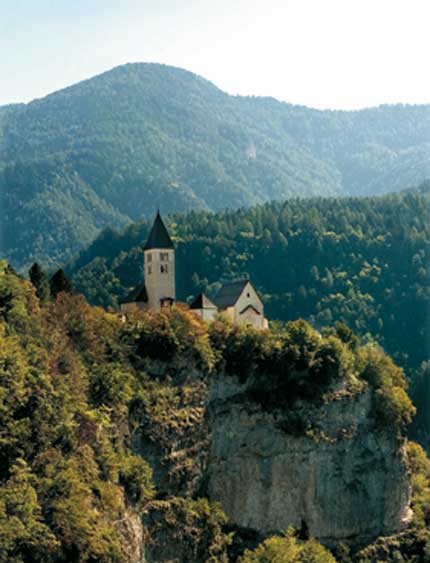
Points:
[(248, 297), (206, 314), (251, 317)]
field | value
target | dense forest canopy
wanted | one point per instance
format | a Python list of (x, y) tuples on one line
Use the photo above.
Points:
[(107, 150)]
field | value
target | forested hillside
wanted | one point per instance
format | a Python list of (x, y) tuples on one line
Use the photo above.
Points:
[(362, 261), (110, 149), (78, 387)]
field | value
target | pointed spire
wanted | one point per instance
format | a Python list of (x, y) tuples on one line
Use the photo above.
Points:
[(159, 236)]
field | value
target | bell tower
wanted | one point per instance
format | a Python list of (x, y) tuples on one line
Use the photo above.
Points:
[(159, 254)]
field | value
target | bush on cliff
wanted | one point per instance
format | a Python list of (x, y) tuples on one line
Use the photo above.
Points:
[(280, 367), (183, 529), (392, 404), (287, 549), (175, 336), (298, 363), (420, 480)]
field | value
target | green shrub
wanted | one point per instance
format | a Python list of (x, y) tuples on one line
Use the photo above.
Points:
[(191, 530), (175, 335), (420, 481), (136, 477), (237, 348), (392, 404), (287, 549), (24, 535)]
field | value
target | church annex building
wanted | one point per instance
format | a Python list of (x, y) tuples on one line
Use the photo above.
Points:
[(239, 300)]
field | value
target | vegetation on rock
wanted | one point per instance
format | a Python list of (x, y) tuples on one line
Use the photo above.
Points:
[(298, 364), (85, 397), (287, 549), (73, 387), (412, 545), (186, 530)]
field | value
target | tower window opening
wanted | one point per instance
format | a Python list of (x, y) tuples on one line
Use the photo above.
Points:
[(164, 256), (149, 257), (164, 269), (149, 270)]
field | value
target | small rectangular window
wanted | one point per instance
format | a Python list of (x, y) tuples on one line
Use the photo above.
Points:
[(149, 257), (149, 270)]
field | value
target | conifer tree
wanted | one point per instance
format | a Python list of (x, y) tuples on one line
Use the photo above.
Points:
[(40, 281), (60, 282)]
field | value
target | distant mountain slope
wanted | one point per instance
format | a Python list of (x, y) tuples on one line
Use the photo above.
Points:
[(112, 148)]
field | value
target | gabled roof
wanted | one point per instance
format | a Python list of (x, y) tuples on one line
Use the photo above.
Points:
[(138, 295), (159, 236), (229, 294), (202, 302)]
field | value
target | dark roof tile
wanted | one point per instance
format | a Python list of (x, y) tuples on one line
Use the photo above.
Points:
[(138, 295), (202, 302), (159, 236), (229, 294)]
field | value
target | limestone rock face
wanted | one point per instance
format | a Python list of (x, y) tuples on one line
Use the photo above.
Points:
[(349, 482), (130, 530)]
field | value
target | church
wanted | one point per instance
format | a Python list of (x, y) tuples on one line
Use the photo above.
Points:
[(238, 300)]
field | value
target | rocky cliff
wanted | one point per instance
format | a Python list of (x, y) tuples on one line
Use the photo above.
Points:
[(344, 478), (296, 429), (347, 480), (115, 434)]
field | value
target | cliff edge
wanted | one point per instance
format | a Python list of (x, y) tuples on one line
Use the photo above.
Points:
[(347, 480)]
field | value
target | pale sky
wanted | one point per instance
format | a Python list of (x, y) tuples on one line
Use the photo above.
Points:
[(339, 54)]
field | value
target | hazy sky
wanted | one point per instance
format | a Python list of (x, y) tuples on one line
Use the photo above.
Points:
[(320, 53)]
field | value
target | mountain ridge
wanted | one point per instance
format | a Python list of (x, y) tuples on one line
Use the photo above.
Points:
[(108, 150), (197, 76)]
